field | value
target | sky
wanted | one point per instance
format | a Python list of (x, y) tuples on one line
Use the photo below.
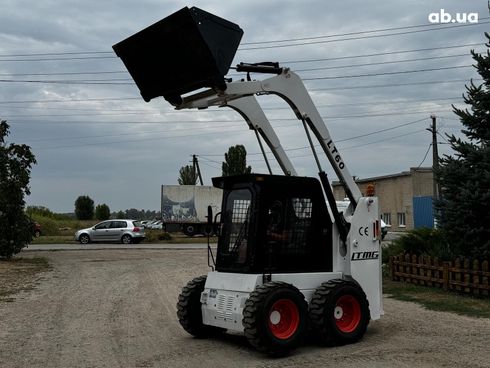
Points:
[(375, 70)]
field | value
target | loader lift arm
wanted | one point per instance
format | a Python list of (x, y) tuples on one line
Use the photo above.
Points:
[(240, 96)]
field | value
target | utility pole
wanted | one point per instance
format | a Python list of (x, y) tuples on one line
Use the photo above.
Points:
[(435, 157), (195, 166)]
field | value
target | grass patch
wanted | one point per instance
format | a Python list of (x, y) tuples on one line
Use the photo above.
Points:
[(437, 299), (53, 239), (152, 237), (20, 274)]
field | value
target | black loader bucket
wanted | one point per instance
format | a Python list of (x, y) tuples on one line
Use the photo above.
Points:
[(185, 51)]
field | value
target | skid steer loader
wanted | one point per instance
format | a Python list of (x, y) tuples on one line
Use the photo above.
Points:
[(288, 263)]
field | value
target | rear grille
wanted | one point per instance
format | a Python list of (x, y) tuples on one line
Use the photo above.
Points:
[(224, 305)]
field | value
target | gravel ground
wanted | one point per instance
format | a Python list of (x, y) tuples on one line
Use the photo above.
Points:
[(116, 308)]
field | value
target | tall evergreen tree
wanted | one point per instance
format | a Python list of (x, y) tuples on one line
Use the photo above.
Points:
[(102, 212), (463, 212), (84, 208), (235, 161), (187, 176)]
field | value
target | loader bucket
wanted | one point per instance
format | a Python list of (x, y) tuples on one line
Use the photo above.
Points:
[(185, 51)]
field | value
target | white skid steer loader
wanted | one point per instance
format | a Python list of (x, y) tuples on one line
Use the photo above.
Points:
[(287, 264)]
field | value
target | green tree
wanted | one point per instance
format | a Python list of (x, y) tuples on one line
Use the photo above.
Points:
[(84, 208), (16, 161), (235, 161), (102, 212), (187, 175), (463, 210)]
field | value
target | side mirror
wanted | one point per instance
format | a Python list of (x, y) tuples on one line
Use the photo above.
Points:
[(210, 215), (209, 226), (217, 227)]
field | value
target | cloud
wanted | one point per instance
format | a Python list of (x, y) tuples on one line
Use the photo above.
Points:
[(104, 141)]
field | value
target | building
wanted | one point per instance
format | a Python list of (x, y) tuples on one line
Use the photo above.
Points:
[(405, 199)]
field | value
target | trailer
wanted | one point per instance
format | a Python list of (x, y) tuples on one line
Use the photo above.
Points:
[(185, 207)]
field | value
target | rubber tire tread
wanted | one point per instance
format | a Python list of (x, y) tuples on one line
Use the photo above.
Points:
[(253, 323), (321, 313), (126, 236), (189, 309)]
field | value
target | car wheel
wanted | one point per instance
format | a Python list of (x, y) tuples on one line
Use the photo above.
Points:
[(84, 239), (37, 233), (126, 239)]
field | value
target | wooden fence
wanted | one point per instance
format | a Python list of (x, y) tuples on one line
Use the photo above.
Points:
[(461, 275)]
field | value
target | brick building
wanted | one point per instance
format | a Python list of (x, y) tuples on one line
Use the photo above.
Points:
[(398, 195)]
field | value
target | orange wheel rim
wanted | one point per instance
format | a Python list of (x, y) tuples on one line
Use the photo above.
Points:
[(347, 313), (283, 319)]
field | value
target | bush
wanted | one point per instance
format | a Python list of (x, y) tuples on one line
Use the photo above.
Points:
[(48, 225), (155, 235), (423, 241), (59, 224)]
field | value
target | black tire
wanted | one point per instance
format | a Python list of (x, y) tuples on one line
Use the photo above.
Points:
[(283, 303), (189, 310), (37, 234), (127, 239), (189, 230), (339, 312), (84, 239)]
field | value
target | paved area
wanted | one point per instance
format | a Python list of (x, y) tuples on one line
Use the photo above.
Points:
[(117, 308)]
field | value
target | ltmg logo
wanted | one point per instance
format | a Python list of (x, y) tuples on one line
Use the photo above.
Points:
[(443, 17)]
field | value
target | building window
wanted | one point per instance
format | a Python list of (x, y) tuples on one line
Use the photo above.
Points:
[(401, 219), (386, 217)]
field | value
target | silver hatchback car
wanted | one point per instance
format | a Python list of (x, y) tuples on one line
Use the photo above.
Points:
[(124, 231)]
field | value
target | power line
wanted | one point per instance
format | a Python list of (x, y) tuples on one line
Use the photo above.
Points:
[(248, 43), (60, 59), (382, 53), (425, 156), (438, 28), (297, 70), (391, 85), (389, 73), (326, 117), (341, 140), (339, 34), (56, 53), (213, 131), (364, 144), (120, 112), (386, 102), (100, 82), (120, 81), (63, 73), (72, 100), (219, 127), (379, 63)]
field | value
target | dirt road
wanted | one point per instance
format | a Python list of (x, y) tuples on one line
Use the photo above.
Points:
[(116, 308)]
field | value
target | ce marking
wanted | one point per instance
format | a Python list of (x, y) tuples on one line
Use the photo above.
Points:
[(364, 230)]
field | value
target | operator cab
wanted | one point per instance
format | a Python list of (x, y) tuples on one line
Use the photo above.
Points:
[(273, 224)]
